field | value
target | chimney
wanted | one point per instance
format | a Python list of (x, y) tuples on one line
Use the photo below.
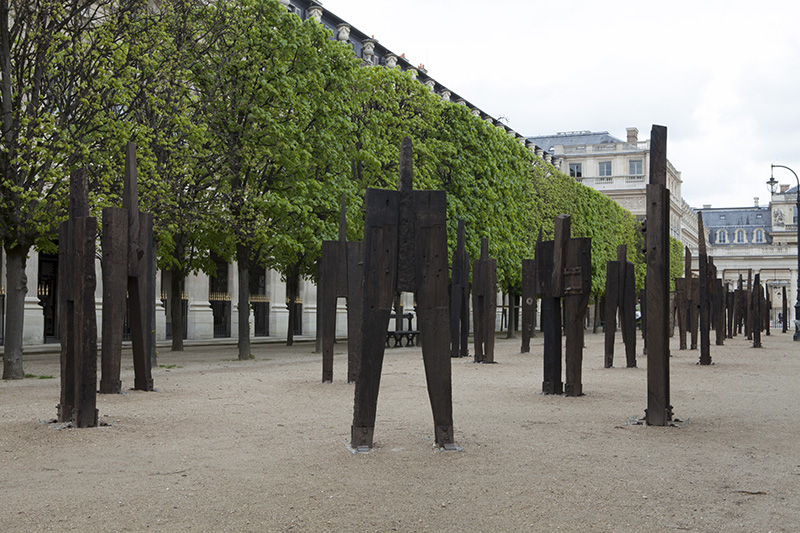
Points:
[(784, 188), (755, 201), (633, 135), (706, 206)]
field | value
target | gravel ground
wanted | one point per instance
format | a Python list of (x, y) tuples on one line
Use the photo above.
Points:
[(261, 445)]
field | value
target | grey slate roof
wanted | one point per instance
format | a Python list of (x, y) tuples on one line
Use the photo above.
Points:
[(731, 219), (548, 142)]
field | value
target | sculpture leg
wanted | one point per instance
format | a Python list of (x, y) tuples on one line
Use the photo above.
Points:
[(66, 312), (380, 267), (490, 312), (140, 288), (329, 260), (84, 316), (432, 306), (355, 273), (115, 266), (551, 326), (630, 317), (612, 299)]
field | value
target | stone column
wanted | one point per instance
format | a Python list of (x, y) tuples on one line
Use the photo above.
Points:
[(200, 318), (33, 328)]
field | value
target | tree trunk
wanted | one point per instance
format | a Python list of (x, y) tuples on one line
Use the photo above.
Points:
[(292, 284), (17, 284), (243, 266), (177, 285)]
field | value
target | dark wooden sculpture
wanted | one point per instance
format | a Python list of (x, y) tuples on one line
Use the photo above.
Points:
[(785, 309), (405, 249), (563, 268), (659, 410), (748, 314), (459, 297), (704, 295), (78, 320), (340, 271), (620, 294), (682, 304), (739, 306), (530, 292), (128, 240), (730, 300), (484, 304), (718, 309), (756, 307)]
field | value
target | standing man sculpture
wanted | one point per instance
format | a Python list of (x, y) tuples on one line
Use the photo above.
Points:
[(405, 249)]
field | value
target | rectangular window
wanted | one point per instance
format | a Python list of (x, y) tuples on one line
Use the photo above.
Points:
[(635, 167), (575, 170), (604, 169)]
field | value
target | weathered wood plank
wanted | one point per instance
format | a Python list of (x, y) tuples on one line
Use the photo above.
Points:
[(659, 410)]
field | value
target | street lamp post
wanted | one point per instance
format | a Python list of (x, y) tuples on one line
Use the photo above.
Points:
[(772, 183)]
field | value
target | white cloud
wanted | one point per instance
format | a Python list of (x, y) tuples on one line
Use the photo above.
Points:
[(723, 76)]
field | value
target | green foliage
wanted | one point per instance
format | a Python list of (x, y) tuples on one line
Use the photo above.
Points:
[(594, 215), (271, 87), (251, 124), (65, 77)]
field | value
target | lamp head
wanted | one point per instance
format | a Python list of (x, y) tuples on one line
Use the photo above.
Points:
[(772, 183)]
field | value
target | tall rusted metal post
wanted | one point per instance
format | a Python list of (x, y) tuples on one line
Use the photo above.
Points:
[(659, 409)]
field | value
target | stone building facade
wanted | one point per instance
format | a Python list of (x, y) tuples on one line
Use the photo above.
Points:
[(619, 169), (761, 239)]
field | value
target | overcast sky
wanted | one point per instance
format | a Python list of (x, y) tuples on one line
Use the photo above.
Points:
[(723, 76)]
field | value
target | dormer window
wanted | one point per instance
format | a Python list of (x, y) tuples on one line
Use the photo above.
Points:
[(722, 236)]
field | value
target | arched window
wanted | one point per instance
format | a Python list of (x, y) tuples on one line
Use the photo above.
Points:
[(758, 236), (740, 237), (722, 236)]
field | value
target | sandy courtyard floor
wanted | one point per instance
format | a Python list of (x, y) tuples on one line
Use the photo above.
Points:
[(260, 445)]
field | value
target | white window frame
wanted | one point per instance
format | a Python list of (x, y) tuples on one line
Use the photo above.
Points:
[(604, 165), (576, 170), (638, 163), (722, 236), (740, 237)]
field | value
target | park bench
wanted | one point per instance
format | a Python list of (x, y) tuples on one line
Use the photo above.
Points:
[(402, 337)]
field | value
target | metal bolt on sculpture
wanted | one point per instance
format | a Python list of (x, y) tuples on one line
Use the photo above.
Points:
[(78, 329), (128, 262), (484, 303), (405, 249), (340, 272)]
